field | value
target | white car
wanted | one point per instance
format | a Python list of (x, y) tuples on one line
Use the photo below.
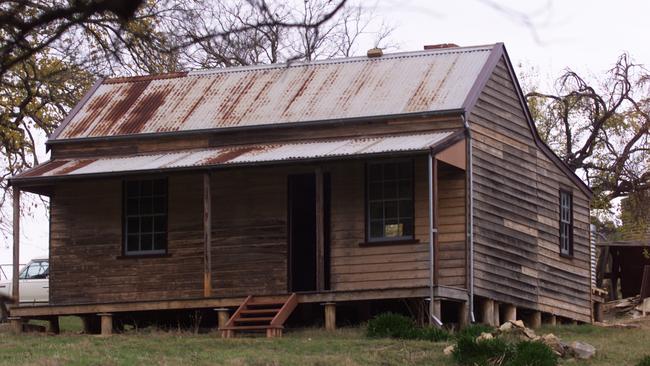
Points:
[(34, 282)]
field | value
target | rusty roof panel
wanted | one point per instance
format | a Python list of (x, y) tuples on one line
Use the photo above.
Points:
[(422, 81), (240, 155)]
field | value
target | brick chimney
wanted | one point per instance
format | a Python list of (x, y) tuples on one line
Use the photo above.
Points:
[(439, 46)]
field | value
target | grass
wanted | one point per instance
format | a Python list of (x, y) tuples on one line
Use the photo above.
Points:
[(347, 346)]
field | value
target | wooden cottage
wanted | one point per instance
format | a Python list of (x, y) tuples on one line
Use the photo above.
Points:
[(415, 175)]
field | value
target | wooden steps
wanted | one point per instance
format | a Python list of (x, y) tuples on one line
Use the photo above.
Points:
[(259, 314)]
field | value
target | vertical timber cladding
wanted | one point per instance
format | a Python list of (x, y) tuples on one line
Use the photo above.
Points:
[(86, 241), (516, 212)]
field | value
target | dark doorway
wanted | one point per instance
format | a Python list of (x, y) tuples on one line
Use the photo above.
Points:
[(302, 232)]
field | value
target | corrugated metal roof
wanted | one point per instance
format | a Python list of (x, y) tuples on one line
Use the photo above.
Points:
[(239, 155), (424, 81)]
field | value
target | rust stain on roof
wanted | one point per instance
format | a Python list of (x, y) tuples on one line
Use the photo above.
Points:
[(143, 111), (235, 94), (305, 83), (43, 169), (127, 98), (229, 154), (76, 165)]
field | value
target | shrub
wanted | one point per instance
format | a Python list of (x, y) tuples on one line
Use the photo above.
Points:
[(433, 334), (487, 352), (645, 361), (474, 330), (532, 354), (389, 325)]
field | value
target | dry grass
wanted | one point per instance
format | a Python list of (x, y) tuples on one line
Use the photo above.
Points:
[(347, 347)]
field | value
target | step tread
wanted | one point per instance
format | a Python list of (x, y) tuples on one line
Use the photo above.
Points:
[(252, 320), (259, 311), (252, 327)]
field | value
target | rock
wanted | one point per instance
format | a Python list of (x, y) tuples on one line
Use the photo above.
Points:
[(529, 333), (582, 350), (554, 343), (484, 337), (519, 324), (449, 350), (505, 327)]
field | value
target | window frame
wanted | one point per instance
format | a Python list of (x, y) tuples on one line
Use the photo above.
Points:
[(144, 253), (568, 251), (387, 240)]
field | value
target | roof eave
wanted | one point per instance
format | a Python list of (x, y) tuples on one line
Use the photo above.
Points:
[(260, 127)]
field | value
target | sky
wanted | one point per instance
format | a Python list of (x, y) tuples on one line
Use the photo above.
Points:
[(541, 35)]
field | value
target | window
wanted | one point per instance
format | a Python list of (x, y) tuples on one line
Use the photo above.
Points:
[(35, 270), (566, 223), (389, 201), (145, 217)]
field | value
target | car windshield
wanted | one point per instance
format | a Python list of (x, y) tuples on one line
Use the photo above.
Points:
[(35, 270)]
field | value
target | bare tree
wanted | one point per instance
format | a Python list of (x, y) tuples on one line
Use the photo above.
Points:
[(600, 128)]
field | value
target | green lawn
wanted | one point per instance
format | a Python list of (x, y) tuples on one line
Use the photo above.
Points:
[(304, 347)]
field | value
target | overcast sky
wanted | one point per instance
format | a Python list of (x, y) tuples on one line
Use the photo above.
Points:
[(548, 36)]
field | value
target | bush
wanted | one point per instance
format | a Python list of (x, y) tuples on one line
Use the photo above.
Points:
[(389, 325), (433, 334), (487, 352), (532, 354), (474, 330), (645, 361)]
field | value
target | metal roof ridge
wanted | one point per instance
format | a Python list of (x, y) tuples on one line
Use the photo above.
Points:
[(344, 60)]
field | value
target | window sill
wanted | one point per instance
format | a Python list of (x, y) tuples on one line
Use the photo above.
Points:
[(143, 256), (566, 256), (389, 242)]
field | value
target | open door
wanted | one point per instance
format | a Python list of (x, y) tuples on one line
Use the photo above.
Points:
[(303, 240)]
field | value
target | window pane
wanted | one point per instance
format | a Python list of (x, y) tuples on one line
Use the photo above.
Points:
[(133, 225), (390, 171), (132, 243), (391, 208), (132, 206), (393, 229), (407, 226), (159, 187), (146, 242), (390, 190), (146, 188), (376, 210), (159, 242), (376, 229), (146, 205), (405, 189), (146, 224), (405, 208), (374, 173), (159, 205), (375, 191), (132, 189), (160, 224), (405, 171)]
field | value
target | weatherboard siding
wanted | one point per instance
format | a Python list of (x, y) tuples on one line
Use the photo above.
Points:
[(516, 212), (249, 237)]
